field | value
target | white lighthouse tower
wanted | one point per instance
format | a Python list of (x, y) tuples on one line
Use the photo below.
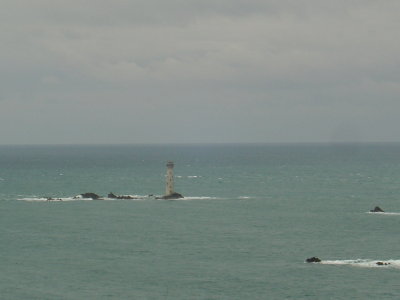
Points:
[(169, 190)]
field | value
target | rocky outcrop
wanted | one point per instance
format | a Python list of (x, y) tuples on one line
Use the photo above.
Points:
[(171, 196), (126, 197), (53, 199), (381, 263), (377, 209), (313, 259), (111, 195), (92, 196)]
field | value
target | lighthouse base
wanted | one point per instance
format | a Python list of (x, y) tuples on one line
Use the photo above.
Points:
[(171, 196)]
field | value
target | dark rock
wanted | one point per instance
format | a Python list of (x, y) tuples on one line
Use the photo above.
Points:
[(53, 199), (112, 196), (377, 209), (381, 263), (171, 197), (92, 196), (125, 197), (313, 259)]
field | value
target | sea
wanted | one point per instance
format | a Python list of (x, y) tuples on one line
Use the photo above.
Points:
[(250, 217)]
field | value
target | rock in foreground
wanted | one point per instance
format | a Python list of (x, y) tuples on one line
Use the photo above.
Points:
[(313, 259), (377, 209)]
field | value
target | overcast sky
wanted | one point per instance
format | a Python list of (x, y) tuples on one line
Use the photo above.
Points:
[(192, 71)]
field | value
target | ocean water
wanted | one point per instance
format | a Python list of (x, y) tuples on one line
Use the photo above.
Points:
[(251, 216)]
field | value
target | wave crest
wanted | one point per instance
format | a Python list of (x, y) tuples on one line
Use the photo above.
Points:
[(384, 213), (365, 263)]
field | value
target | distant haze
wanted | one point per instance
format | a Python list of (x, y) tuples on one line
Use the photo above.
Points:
[(185, 71)]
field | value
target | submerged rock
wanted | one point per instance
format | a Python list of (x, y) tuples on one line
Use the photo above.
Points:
[(313, 259), (377, 209)]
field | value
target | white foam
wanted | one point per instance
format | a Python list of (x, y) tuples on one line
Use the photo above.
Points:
[(41, 199), (364, 263), (32, 199), (194, 198), (133, 197), (80, 198), (202, 198), (384, 213)]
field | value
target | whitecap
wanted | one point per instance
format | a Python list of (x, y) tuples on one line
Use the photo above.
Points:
[(53, 199), (384, 213), (32, 199), (201, 198), (365, 263), (192, 198), (42, 199), (133, 197)]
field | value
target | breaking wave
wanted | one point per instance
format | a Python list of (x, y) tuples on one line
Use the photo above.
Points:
[(384, 213), (364, 263), (198, 198), (79, 198), (189, 198), (132, 197), (43, 199)]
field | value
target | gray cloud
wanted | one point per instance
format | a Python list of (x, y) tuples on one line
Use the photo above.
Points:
[(229, 71)]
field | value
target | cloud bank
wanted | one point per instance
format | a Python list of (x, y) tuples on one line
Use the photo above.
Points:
[(199, 71)]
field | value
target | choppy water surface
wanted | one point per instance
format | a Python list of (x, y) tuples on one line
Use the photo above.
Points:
[(251, 216)]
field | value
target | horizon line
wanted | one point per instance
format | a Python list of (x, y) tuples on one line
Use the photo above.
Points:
[(207, 143)]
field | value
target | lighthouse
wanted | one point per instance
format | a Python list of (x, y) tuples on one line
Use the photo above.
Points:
[(169, 189)]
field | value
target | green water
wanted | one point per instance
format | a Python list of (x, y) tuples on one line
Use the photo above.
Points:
[(251, 216)]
